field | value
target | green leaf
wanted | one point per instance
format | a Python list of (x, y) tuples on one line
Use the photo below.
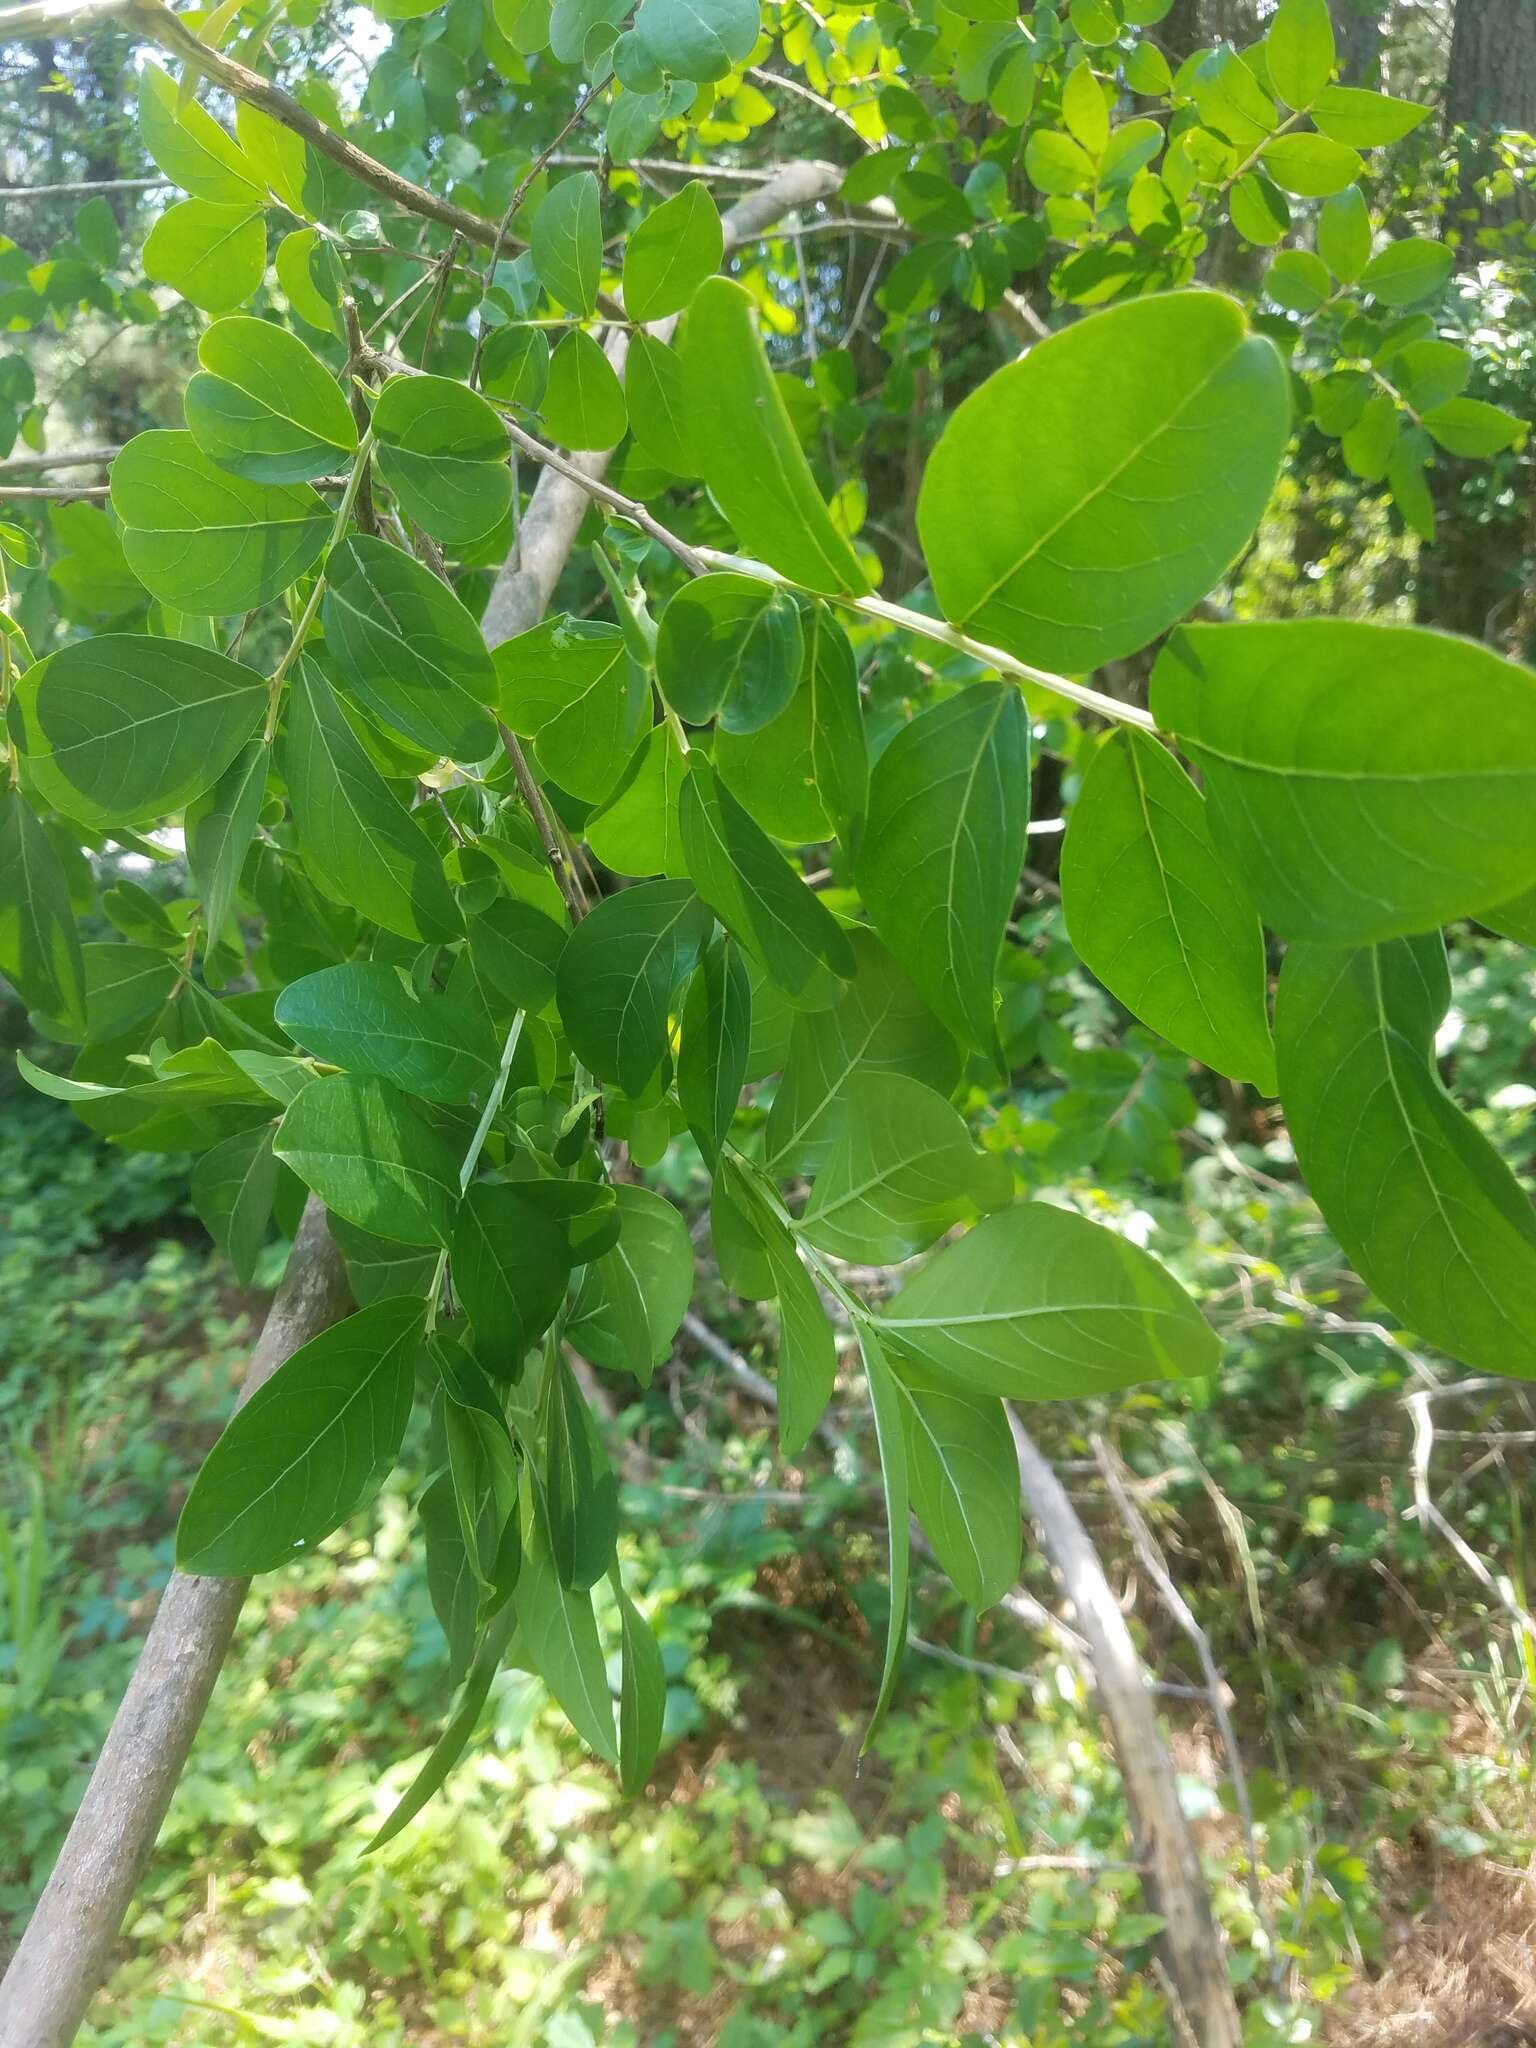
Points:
[(566, 686), (120, 729), (1346, 784), (510, 1265), (515, 365), (559, 1639), (758, 896), (703, 40), (964, 1477), (729, 644), (943, 846), (359, 845), (1259, 211), (901, 1171), (1047, 506), (379, 1268), (1155, 913), (674, 249), (839, 755), (748, 449), (1039, 1304), (807, 1360), (460, 1726), (1468, 426), (581, 1494), (642, 1695), (451, 1583), (212, 255), (631, 1300), (307, 270), (1424, 1208), (879, 1024), (1344, 234), (264, 407), (1310, 165), (717, 1033), (635, 832), (885, 1400), (584, 400), (219, 827), (278, 156), (517, 949), (1406, 271), (482, 1464), (203, 540), (371, 1155), (621, 969), (370, 1019), (39, 945), (567, 244), (1366, 120), (233, 1187), (1299, 51), (191, 148), (308, 1449), (655, 392), (408, 650), (443, 452)]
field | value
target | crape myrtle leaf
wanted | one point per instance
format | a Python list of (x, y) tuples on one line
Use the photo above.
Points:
[(510, 1263), (371, 1155), (581, 1494), (358, 843), (636, 832), (656, 395), (1038, 1304), (1299, 51), (203, 540), (309, 274), (443, 452), (39, 945), (772, 773), (731, 645), (1344, 234), (699, 39), (939, 862), (839, 753), (1406, 271), (381, 1268), (567, 244), (585, 1212), (461, 1725), (279, 156), (212, 255), (807, 1361), (516, 947), (890, 1437), (233, 1187), (263, 406), (310, 1447), (558, 1637), (1513, 920), (712, 1059), (619, 973), (964, 1478), (191, 148), (1348, 782), (879, 1023), (583, 400), (515, 365), (630, 1302), (901, 1172), (671, 252), (1365, 120), (408, 650), (219, 827), (482, 1463), (734, 1224), (371, 1020), (758, 896), (120, 729), (1424, 1208), (748, 450), (566, 686), (642, 1694), (1311, 166), (1155, 913), (451, 1583), (1084, 497)]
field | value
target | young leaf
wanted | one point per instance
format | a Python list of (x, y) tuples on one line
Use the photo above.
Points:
[(1425, 1209), (232, 1191), (1047, 505), (747, 448), (669, 255), (451, 1583), (642, 1694), (510, 1264), (568, 245), (371, 1155), (717, 1034), (191, 148), (39, 945), (901, 1172), (219, 827), (965, 1482), (212, 255), (408, 650), (461, 1725), (939, 862), (482, 1463), (1328, 746), (1156, 915), (359, 845), (370, 1019), (581, 1494), (618, 975), (631, 1300), (885, 1400), (758, 896), (559, 1637), (120, 729), (204, 540), (1039, 1304), (310, 1447), (264, 407)]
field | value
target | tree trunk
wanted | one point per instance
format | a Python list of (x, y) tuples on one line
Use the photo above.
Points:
[(1492, 77)]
